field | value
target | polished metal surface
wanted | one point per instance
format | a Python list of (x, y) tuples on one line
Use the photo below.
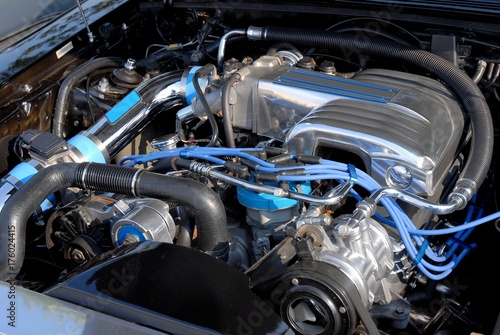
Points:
[(150, 217), (113, 136), (419, 128), (364, 253)]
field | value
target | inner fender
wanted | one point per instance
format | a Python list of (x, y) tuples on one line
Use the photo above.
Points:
[(198, 293)]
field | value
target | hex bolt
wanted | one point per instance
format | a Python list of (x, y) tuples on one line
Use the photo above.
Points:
[(130, 65), (77, 256), (399, 311), (130, 238), (295, 281)]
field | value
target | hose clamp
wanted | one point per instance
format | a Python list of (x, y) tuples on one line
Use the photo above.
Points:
[(133, 183), (255, 33), (84, 173)]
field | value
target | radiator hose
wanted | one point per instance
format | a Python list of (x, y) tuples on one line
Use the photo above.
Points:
[(472, 98), (199, 200), (64, 95)]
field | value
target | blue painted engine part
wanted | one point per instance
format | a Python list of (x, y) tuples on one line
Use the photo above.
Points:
[(268, 214)]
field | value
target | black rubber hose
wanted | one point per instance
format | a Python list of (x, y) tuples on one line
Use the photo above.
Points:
[(186, 228), (227, 116), (383, 34), (61, 108), (473, 100), (17, 210), (200, 73), (200, 201), (162, 165)]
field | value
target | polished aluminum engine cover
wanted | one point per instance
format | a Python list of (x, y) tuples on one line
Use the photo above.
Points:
[(393, 121), (417, 129)]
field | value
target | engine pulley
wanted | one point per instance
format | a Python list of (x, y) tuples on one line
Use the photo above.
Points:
[(314, 299)]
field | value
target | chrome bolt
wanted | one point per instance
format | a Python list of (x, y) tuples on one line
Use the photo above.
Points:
[(130, 65)]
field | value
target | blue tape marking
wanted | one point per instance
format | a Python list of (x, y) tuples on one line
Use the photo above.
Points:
[(123, 106), (186, 153), (352, 173), (421, 252), (89, 149), (23, 172), (190, 91)]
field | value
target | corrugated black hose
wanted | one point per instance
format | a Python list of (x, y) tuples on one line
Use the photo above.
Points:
[(472, 98), (203, 204)]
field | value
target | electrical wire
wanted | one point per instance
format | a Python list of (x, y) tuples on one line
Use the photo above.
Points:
[(431, 261)]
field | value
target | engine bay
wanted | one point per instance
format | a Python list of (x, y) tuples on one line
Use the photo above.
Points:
[(338, 166)]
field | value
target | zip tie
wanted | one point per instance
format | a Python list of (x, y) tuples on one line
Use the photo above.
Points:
[(353, 176), (421, 252), (462, 244), (185, 153)]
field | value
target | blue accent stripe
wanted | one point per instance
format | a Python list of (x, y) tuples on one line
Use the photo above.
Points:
[(123, 106), (190, 91), (343, 87), (23, 172), (88, 149), (352, 173), (421, 252)]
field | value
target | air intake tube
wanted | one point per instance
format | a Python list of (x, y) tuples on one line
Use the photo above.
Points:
[(472, 98), (129, 117), (110, 134), (202, 203)]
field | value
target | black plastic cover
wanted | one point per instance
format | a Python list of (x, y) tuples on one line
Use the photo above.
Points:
[(44, 144), (170, 288)]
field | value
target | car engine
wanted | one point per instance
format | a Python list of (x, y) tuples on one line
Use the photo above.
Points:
[(337, 167)]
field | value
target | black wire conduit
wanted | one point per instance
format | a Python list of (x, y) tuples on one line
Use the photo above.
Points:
[(471, 96), (199, 200), (200, 73)]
